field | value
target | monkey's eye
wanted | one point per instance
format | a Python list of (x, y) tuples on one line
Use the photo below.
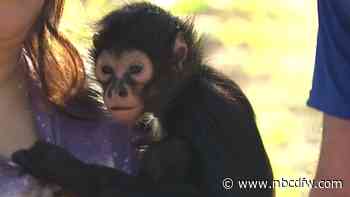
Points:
[(135, 69), (107, 70)]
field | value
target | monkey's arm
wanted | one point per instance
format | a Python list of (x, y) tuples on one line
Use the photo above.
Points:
[(54, 164)]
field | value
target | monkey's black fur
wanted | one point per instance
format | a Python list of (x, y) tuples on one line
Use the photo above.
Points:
[(212, 133), (148, 28)]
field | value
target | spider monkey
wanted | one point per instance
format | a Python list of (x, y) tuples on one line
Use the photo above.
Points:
[(148, 60)]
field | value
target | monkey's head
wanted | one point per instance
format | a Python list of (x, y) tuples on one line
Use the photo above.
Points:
[(142, 54)]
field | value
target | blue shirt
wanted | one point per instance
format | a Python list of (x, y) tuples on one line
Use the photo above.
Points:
[(331, 82)]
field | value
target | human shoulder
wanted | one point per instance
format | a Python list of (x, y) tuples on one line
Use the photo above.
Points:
[(330, 92)]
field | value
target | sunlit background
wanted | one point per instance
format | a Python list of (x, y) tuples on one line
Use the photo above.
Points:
[(268, 47)]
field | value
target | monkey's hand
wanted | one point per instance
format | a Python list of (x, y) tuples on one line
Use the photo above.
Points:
[(53, 164)]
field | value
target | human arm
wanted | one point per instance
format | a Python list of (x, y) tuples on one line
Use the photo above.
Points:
[(334, 160)]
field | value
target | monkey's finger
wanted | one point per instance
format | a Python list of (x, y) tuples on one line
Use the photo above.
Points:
[(29, 164), (20, 157), (23, 159)]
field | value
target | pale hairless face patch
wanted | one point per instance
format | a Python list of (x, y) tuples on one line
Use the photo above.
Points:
[(122, 78)]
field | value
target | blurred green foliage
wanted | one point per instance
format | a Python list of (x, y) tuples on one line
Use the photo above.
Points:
[(268, 47)]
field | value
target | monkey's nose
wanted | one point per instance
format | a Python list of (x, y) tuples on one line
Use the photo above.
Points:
[(123, 92)]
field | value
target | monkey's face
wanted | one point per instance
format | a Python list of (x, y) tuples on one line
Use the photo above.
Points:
[(123, 78)]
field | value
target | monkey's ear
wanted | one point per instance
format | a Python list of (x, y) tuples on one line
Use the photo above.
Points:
[(180, 49)]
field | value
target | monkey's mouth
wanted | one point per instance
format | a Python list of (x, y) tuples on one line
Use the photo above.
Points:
[(121, 108)]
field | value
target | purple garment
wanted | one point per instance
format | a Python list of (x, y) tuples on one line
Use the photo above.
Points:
[(101, 142)]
